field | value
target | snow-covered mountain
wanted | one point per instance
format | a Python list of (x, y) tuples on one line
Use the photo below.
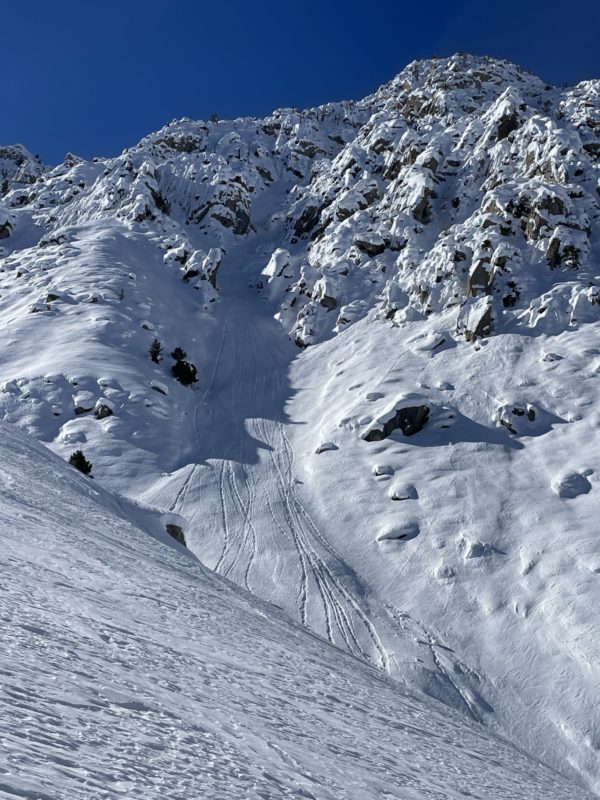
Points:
[(393, 306)]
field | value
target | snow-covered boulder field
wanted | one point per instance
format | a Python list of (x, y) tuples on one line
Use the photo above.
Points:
[(392, 305)]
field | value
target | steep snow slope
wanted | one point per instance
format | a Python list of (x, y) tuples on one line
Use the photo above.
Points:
[(437, 245), (130, 670)]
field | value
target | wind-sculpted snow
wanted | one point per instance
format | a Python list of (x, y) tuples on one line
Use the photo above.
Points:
[(393, 307), (130, 670)]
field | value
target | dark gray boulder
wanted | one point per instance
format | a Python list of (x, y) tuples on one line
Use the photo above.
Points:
[(177, 533), (409, 420), (571, 484), (102, 411)]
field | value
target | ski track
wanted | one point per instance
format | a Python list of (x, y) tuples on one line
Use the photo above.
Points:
[(407, 622), (322, 598), (260, 428), (306, 553), (225, 519), (248, 533), (346, 604), (182, 491)]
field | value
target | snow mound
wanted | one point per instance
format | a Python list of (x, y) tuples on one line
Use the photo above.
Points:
[(325, 446), (403, 491), (400, 532)]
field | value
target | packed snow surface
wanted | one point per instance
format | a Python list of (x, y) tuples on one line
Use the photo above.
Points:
[(129, 670), (393, 305)]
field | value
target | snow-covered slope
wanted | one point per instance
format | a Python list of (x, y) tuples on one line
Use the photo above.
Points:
[(130, 670), (393, 307)]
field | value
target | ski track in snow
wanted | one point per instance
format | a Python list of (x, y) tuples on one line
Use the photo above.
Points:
[(325, 602), (250, 362)]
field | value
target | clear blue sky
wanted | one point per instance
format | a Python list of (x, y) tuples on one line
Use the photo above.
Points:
[(93, 77)]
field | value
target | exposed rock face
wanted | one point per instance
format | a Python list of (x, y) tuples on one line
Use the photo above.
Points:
[(524, 419), (307, 220), (371, 245), (18, 165), (480, 278), (471, 177), (328, 302)]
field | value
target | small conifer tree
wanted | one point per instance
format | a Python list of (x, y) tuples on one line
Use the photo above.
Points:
[(80, 462), (156, 351), (186, 373)]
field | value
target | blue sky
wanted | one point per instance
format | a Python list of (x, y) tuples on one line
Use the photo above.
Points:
[(94, 77)]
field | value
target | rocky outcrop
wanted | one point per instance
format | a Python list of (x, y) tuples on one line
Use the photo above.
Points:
[(509, 417), (462, 178), (481, 276), (176, 532), (409, 420), (103, 410), (19, 166), (571, 484), (469, 180), (475, 319), (371, 244)]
